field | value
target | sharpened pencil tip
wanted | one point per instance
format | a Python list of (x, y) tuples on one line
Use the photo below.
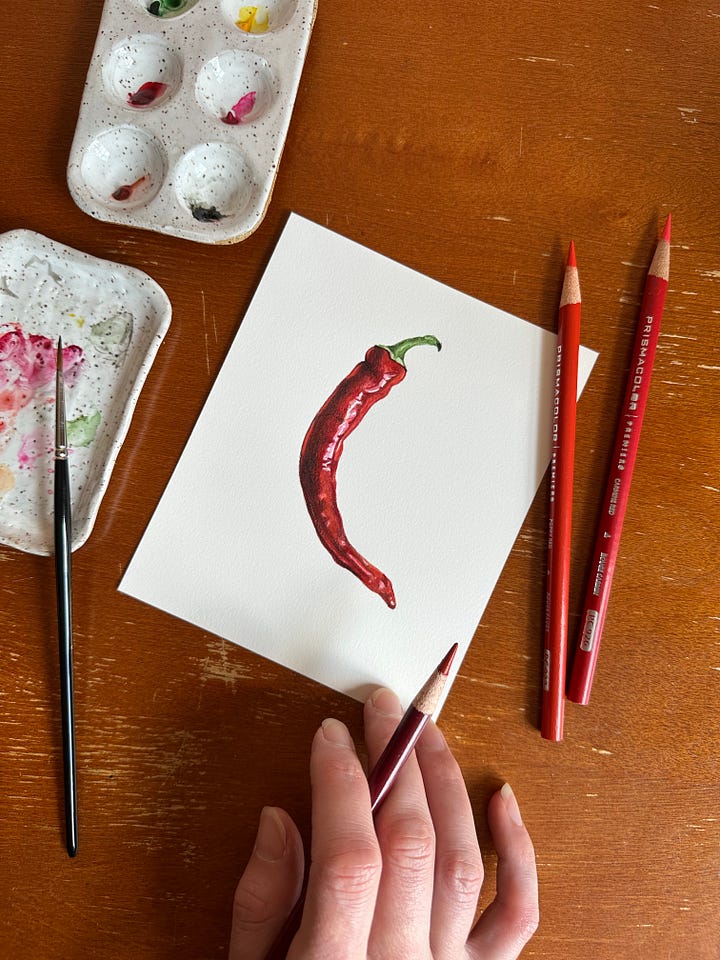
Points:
[(571, 282), (444, 665), (666, 230)]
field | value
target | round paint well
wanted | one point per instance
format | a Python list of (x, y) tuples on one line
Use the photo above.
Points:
[(236, 87), (259, 18), (123, 167), (141, 72), (213, 181), (166, 9)]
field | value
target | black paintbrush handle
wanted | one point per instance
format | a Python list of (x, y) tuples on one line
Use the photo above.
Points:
[(63, 585)]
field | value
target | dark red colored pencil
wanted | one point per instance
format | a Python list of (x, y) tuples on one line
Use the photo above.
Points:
[(383, 774), (407, 733), (617, 491)]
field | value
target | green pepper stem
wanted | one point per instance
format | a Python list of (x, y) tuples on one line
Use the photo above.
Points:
[(398, 350)]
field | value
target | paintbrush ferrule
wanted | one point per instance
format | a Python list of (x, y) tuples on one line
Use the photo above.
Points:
[(61, 445)]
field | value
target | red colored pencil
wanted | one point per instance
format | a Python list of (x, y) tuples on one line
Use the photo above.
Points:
[(560, 525), (627, 438), (383, 775)]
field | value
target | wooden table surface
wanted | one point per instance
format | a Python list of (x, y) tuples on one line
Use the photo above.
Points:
[(471, 142)]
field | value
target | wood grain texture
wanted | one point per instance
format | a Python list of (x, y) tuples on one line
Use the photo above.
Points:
[(471, 143)]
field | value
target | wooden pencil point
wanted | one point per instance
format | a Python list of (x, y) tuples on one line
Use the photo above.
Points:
[(445, 664), (571, 282), (428, 698)]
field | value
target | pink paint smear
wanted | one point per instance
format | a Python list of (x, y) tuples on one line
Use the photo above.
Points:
[(27, 366), (242, 108), (33, 447)]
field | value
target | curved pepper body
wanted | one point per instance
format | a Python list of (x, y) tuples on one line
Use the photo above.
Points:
[(370, 381)]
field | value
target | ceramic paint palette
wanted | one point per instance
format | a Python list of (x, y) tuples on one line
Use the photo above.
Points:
[(112, 319), (185, 112)]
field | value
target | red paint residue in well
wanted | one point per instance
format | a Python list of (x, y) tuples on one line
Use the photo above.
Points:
[(241, 109), (146, 94)]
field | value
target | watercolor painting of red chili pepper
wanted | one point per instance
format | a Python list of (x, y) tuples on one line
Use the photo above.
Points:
[(370, 381)]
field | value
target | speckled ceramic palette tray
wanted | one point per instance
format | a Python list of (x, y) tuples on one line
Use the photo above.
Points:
[(185, 112), (112, 320)]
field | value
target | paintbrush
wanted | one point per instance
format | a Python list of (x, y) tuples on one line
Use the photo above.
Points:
[(63, 584)]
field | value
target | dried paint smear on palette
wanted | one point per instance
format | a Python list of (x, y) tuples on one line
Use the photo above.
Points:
[(111, 319)]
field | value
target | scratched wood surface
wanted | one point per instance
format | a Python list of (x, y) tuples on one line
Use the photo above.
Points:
[(470, 141)]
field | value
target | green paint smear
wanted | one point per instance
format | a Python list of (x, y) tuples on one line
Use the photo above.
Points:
[(81, 432), (112, 336)]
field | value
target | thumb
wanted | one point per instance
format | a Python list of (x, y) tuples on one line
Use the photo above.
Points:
[(269, 886)]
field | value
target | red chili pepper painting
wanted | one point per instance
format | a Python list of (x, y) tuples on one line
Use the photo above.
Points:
[(370, 381)]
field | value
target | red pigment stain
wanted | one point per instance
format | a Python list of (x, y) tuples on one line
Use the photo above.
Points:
[(13, 398), (32, 446), (127, 189), (241, 109), (27, 365), (147, 93)]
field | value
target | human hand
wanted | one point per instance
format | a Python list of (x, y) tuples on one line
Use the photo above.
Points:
[(402, 887)]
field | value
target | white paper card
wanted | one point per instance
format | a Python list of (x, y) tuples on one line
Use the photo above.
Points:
[(433, 486)]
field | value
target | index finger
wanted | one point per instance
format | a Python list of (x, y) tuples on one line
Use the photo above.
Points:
[(346, 863)]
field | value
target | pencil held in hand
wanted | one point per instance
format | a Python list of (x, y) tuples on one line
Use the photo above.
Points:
[(560, 522), (383, 774), (627, 438)]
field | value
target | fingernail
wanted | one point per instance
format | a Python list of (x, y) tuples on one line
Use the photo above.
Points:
[(336, 732), (511, 804), (271, 838), (386, 702)]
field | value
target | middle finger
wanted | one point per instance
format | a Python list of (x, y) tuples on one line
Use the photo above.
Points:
[(407, 842)]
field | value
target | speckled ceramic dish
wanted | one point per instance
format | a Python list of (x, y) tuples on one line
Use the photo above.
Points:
[(185, 112), (112, 320)]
